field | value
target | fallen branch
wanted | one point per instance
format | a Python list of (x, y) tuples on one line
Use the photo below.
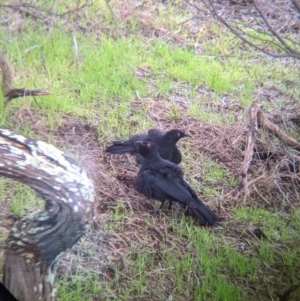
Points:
[(9, 92), (258, 119), (252, 128), (14, 93), (278, 116), (275, 129)]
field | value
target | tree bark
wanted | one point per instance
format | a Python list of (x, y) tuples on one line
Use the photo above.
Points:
[(35, 243)]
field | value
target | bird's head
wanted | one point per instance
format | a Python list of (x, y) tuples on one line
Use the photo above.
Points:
[(176, 134), (146, 147)]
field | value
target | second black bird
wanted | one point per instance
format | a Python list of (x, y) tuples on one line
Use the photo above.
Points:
[(165, 142), (161, 180)]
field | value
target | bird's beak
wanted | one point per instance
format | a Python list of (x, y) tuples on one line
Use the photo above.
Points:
[(187, 135)]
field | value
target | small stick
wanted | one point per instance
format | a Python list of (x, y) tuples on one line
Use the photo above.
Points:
[(252, 128), (275, 129)]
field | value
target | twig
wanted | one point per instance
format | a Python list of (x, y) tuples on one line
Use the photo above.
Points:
[(253, 126), (275, 129), (211, 7), (15, 93), (114, 17), (260, 195), (273, 31), (6, 74), (9, 92), (76, 52), (286, 196), (270, 42), (44, 62), (49, 12)]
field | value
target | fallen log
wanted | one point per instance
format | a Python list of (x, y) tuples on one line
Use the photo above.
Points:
[(34, 244)]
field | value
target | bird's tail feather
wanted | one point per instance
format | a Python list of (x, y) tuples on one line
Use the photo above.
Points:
[(121, 147), (209, 217)]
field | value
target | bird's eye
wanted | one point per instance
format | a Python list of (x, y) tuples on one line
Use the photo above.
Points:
[(178, 134), (149, 144)]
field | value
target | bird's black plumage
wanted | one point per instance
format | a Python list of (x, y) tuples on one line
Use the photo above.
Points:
[(165, 142), (160, 179)]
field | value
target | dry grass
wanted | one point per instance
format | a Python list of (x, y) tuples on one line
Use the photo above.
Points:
[(126, 223)]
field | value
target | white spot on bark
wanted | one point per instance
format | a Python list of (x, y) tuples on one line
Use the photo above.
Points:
[(75, 208), (53, 153), (40, 287), (10, 134), (50, 278), (21, 165), (53, 293), (34, 288), (58, 180)]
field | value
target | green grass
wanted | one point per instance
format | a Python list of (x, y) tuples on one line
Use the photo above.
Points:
[(105, 79), (20, 197), (189, 262), (282, 234), (202, 267), (78, 287), (215, 177)]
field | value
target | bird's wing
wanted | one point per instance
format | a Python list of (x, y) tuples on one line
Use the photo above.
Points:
[(154, 134), (121, 147), (174, 190), (183, 193), (138, 137)]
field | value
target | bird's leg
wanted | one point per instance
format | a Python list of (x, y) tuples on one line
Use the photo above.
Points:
[(170, 205), (162, 204), (184, 206)]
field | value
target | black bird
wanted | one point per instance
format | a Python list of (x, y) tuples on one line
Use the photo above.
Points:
[(160, 179), (165, 142)]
